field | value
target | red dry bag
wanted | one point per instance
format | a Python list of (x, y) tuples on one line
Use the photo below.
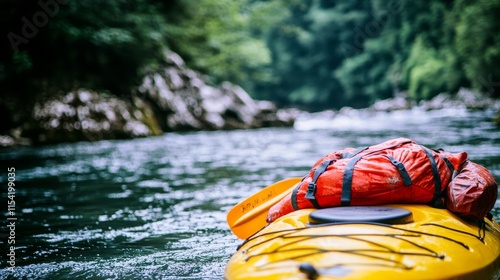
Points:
[(473, 192), (396, 171)]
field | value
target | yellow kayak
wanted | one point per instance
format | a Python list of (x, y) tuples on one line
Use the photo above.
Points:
[(372, 242)]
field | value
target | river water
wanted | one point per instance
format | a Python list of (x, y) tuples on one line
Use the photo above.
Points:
[(155, 208)]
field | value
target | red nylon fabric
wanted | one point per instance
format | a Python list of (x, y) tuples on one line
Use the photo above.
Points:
[(473, 192), (376, 180)]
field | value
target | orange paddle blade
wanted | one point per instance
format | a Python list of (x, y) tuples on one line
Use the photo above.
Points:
[(249, 216)]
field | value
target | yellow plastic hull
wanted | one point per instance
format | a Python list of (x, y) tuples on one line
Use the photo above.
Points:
[(436, 245)]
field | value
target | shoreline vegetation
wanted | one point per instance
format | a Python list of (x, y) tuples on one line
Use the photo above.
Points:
[(91, 70), (177, 98)]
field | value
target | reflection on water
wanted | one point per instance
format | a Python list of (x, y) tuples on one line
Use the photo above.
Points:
[(156, 207)]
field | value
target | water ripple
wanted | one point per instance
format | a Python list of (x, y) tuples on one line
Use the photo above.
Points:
[(156, 207)]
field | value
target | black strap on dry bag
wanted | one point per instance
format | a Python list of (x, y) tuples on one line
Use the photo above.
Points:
[(401, 169), (311, 188), (436, 200)]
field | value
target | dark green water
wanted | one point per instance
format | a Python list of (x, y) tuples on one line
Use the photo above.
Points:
[(155, 208)]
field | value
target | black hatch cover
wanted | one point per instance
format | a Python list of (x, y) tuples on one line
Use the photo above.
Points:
[(353, 214)]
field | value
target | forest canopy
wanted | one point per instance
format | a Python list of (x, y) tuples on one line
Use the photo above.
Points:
[(315, 54)]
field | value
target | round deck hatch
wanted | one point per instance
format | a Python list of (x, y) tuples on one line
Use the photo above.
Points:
[(353, 214)]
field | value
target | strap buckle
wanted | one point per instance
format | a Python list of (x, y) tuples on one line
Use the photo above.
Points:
[(311, 191)]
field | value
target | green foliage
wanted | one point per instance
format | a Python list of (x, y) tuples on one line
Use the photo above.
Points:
[(316, 54), (421, 70), (429, 72), (478, 43), (96, 44), (423, 84), (364, 76), (353, 53), (307, 48), (215, 37)]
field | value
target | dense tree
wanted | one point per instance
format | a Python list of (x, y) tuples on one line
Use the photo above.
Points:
[(52, 46), (99, 44), (316, 54), (55, 46), (478, 43), (353, 53), (215, 37)]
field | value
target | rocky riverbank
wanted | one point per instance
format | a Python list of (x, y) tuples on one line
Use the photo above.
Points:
[(177, 98), (463, 99), (173, 99)]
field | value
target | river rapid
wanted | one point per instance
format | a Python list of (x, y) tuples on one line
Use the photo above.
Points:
[(155, 208)]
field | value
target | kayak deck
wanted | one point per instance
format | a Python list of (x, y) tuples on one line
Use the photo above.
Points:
[(435, 245)]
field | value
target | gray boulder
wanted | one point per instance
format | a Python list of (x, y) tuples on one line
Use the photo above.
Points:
[(85, 115), (182, 100)]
